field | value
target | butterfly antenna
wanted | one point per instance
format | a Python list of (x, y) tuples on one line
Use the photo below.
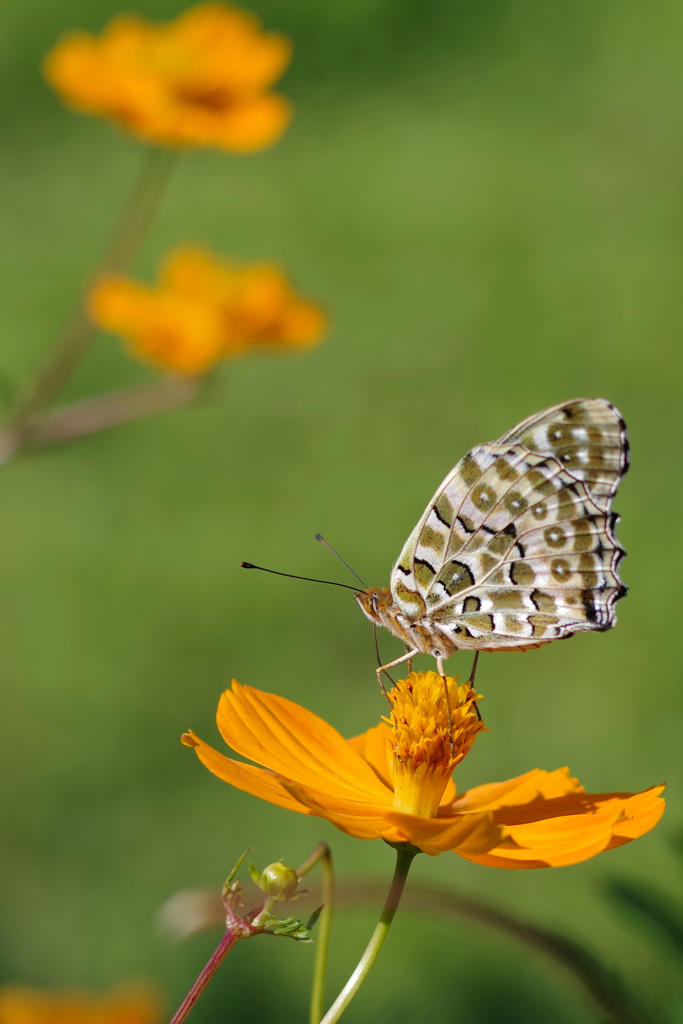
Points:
[(291, 576), (329, 547)]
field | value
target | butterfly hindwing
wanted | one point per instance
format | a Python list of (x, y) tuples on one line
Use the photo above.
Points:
[(559, 588)]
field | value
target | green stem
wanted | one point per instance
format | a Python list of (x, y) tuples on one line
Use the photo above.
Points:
[(601, 982), (322, 852), (78, 332), (405, 854)]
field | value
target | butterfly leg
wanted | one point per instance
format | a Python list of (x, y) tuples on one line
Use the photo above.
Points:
[(440, 670), (470, 681), (392, 664), (410, 659), (379, 662)]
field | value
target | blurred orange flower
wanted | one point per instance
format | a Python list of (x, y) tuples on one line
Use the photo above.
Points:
[(20, 1005), (205, 309), (394, 781), (255, 302), (200, 80)]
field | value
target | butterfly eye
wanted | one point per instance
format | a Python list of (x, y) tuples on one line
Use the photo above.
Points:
[(374, 602)]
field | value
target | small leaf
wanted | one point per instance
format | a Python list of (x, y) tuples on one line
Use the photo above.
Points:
[(238, 865), (255, 875), (290, 928), (314, 916)]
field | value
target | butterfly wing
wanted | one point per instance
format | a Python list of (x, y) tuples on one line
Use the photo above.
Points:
[(586, 435), (513, 550)]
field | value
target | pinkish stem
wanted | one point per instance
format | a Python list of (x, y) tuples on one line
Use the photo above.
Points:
[(230, 939)]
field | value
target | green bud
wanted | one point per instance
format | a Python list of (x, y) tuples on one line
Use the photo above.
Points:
[(278, 881)]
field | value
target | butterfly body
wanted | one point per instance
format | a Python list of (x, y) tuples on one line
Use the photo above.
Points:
[(378, 604), (517, 547), (415, 633)]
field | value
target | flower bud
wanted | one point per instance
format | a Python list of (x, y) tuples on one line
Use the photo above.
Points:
[(278, 881)]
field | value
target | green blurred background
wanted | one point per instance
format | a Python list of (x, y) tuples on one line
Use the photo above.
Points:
[(487, 198)]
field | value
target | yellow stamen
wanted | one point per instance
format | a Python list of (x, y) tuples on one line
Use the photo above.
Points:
[(421, 758)]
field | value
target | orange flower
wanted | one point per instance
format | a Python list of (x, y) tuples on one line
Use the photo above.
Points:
[(256, 304), (204, 310), (19, 1005), (200, 80), (161, 326), (394, 781)]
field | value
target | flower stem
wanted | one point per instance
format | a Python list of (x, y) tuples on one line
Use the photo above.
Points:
[(230, 939), (322, 852), (405, 854), (90, 415), (78, 332)]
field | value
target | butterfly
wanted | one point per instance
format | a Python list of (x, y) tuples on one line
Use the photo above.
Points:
[(517, 548)]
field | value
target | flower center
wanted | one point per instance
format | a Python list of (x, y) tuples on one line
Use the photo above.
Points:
[(421, 755), (210, 98)]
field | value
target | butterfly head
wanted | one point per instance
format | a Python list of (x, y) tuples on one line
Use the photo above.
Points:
[(375, 601)]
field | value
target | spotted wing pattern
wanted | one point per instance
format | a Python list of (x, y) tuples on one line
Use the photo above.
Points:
[(516, 548), (586, 435)]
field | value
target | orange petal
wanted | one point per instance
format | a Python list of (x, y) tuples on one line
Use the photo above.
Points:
[(360, 820), (228, 41), (570, 829), (246, 777), (372, 747), (251, 125), (114, 302), (302, 324), (327, 802), (293, 742), (198, 273), (534, 785), (161, 326), (475, 833), (579, 841), (641, 812), (364, 828), (448, 797), (20, 1004)]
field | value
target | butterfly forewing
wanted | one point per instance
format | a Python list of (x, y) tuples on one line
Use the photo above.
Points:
[(515, 548)]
